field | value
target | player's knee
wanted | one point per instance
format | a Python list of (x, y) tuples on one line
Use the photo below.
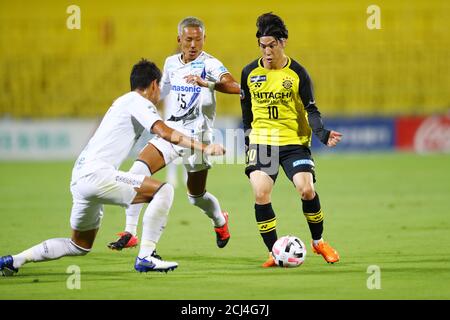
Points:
[(262, 196), (307, 193), (166, 194)]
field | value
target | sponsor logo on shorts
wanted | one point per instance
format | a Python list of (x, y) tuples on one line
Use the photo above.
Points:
[(128, 180), (303, 162), (44, 244)]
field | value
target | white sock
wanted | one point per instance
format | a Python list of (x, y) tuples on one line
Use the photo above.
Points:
[(172, 174), (316, 242), (132, 218), (134, 210), (210, 206), (155, 219), (49, 250)]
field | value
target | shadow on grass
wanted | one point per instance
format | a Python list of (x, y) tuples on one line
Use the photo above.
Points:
[(105, 267)]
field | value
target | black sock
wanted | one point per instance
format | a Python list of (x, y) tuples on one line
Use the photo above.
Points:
[(267, 222), (314, 216)]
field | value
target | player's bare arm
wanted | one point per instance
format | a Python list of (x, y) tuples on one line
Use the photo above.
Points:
[(176, 137), (227, 84)]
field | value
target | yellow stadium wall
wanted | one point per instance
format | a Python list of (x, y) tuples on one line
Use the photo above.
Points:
[(47, 70)]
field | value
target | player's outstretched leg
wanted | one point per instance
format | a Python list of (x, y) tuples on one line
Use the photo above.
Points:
[(51, 249), (154, 222)]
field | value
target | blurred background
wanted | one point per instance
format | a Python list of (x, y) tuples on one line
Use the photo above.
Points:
[(386, 89)]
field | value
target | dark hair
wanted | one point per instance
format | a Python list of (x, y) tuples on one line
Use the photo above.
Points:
[(143, 73), (271, 25)]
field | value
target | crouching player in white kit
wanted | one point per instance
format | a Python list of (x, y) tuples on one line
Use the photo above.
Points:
[(96, 179), (189, 80)]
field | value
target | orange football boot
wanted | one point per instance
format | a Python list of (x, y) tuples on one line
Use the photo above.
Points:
[(328, 253), (270, 262)]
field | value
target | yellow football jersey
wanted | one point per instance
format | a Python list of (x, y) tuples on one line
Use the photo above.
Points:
[(277, 105)]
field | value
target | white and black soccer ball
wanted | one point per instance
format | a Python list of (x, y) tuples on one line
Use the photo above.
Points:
[(289, 251)]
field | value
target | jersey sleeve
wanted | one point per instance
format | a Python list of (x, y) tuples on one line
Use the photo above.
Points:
[(165, 82), (306, 92), (215, 70), (145, 113), (246, 104)]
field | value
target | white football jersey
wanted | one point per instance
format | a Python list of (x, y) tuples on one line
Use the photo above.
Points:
[(119, 130), (193, 105)]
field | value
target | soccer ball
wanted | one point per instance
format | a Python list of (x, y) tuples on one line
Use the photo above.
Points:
[(289, 251)]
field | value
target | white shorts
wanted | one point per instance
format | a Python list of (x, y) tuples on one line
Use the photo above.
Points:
[(193, 160), (104, 186)]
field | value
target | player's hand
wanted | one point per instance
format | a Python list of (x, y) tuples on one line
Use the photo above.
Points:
[(196, 80), (215, 149), (334, 138)]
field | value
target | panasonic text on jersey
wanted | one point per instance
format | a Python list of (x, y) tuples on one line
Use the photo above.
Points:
[(196, 89)]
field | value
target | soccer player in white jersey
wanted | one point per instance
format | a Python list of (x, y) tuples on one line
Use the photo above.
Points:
[(188, 84), (96, 179)]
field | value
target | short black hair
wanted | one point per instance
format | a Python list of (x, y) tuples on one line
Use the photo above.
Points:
[(143, 73), (271, 25)]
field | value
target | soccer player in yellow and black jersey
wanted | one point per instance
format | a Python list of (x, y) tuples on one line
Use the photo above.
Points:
[(279, 115)]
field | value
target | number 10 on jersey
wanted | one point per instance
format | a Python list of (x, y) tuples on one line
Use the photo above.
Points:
[(273, 112)]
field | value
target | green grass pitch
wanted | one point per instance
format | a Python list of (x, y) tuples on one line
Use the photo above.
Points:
[(385, 210)]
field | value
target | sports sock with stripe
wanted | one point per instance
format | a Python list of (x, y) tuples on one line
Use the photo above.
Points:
[(267, 222), (314, 216)]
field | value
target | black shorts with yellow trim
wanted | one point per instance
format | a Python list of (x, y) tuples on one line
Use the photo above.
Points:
[(293, 158)]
